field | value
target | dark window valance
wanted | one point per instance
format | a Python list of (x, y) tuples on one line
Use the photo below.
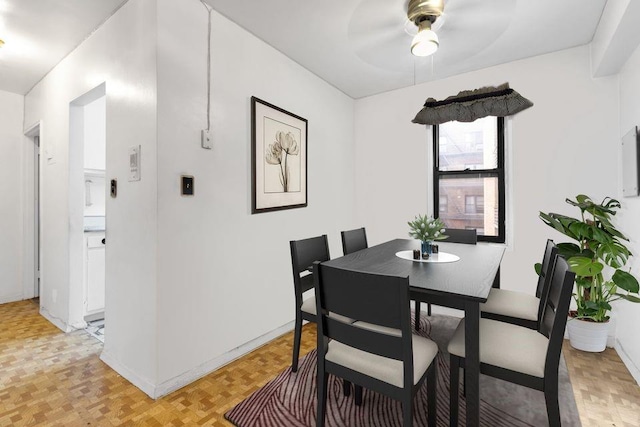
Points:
[(470, 105)]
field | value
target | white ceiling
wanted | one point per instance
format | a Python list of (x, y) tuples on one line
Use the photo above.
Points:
[(39, 33), (359, 46)]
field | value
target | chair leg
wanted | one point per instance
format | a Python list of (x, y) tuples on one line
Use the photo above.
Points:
[(358, 394), (551, 398), (454, 381), (417, 314), (297, 332), (346, 388), (431, 394), (322, 395), (428, 309), (407, 409)]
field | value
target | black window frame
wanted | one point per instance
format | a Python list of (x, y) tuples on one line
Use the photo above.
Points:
[(498, 173)]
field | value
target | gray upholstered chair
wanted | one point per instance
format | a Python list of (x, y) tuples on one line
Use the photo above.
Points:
[(378, 351), (468, 237), (520, 355), (520, 308)]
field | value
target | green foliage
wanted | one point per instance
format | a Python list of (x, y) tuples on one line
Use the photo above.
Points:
[(599, 247), (426, 228)]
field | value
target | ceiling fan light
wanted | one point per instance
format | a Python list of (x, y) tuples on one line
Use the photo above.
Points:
[(425, 43)]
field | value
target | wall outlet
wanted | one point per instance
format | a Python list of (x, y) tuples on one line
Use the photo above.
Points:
[(207, 142)]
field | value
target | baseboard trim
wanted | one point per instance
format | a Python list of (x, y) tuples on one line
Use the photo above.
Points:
[(204, 369), (57, 322), (146, 386), (11, 298), (633, 369)]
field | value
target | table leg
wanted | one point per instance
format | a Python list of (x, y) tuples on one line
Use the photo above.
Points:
[(472, 362)]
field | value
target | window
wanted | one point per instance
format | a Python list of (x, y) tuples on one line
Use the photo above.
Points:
[(444, 204), (473, 204), (469, 176)]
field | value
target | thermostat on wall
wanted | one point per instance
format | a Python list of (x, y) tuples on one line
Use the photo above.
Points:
[(134, 163), (630, 162)]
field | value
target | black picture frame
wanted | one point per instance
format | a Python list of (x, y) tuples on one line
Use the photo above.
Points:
[(278, 158)]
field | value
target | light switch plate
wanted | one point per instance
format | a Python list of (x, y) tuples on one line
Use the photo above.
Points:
[(134, 163), (186, 185), (207, 142)]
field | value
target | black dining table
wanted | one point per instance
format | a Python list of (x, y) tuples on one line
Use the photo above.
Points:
[(462, 284)]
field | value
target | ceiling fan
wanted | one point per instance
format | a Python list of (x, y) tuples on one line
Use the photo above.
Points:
[(423, 13), (381, 31)]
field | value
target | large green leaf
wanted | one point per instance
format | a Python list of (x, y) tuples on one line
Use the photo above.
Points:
[(583, 282), (585, 266), (630, 298), (538, 268), (600, 235), (553, 222), (600, 305), (626, 281), (613, 231), (611, 204), (581, 230), (568, 250), (613, 253)]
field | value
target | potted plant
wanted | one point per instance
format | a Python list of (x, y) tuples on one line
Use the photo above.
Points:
[(426, 229), (598, 258)]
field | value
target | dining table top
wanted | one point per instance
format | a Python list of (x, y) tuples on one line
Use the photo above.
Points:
[(470, 278)]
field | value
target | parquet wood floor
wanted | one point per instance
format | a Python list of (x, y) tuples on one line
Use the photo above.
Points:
[(606, 393), (48, 378)]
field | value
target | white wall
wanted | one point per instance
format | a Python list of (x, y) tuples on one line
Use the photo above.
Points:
[(224, 275), (628, 314), (11, 144), (94, 147), (556, 146), (121, 53), (95, 134)]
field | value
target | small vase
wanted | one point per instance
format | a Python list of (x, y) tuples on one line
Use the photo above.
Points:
[(425, 247)]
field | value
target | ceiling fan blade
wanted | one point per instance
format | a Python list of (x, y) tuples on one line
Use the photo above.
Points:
[(377, 32)]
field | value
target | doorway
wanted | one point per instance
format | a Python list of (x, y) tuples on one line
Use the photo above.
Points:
[(36, 215), (32, 225), (87, 209)]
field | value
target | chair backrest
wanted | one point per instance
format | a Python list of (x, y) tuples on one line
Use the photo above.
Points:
[(303, 254), (374, 298), (354, 240), (549, 251), (556, 309), (459, 235)]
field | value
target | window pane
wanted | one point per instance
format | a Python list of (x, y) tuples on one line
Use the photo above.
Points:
[(468, 145), (471, 203), (443, 205)]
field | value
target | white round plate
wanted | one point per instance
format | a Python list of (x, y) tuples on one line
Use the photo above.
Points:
[(439, 257)]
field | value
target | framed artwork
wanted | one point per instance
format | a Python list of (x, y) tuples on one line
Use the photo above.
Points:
[(278, 158)]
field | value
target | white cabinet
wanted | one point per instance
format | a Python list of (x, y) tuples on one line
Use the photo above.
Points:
[(94, 273)]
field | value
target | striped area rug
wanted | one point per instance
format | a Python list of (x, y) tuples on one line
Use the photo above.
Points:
[(289, 400)]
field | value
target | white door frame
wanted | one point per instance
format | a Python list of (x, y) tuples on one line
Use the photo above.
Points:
[(32, 275)]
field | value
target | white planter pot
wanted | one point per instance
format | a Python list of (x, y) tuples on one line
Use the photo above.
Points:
[(587, 336)]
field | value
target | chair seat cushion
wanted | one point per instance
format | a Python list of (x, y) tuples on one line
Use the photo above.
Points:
[(309, 306), (383, 368), (506, 346), (512, 304)]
